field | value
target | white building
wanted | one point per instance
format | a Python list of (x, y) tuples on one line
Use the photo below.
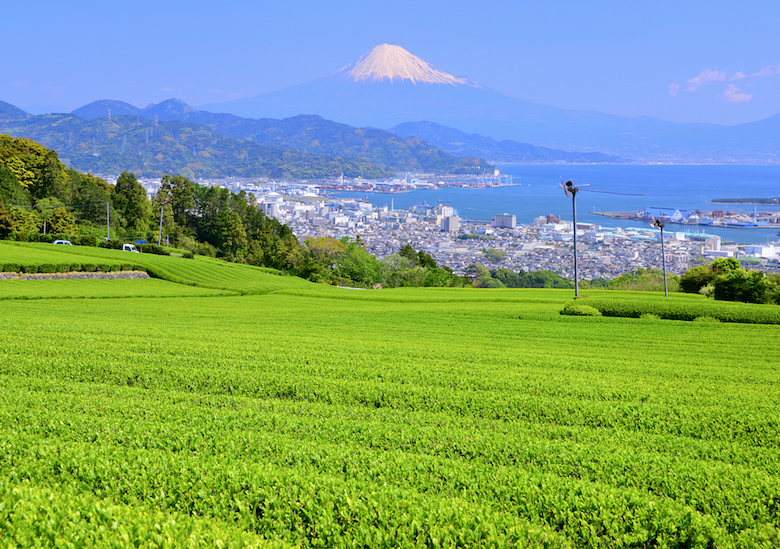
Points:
[(505, 221), (450, 224)]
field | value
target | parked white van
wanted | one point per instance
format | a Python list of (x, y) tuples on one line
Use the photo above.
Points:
[(130, 248)]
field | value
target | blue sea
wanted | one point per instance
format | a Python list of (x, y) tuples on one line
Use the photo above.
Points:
[(535, 191)]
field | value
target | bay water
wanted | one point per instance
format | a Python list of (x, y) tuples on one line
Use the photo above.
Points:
[(535, 191)]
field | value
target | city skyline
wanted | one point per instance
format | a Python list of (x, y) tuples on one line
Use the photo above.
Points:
[(699, 62)]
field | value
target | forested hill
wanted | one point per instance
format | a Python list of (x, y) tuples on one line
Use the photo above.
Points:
[(9, 112), (316, 135), (209, 145), (149, 149)]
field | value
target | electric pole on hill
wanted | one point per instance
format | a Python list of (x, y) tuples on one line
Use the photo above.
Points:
[(570, 189)]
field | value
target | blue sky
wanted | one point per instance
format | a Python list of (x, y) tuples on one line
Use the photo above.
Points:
[(689, 61)]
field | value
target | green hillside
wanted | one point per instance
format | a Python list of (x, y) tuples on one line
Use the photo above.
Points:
[(308, 133), (307, 415), (135, 144), (109, 137)]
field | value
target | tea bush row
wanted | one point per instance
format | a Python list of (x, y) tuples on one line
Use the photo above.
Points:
[(69, 267), (684, 309)]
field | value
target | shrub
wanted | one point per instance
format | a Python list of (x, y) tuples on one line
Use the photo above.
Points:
[(86, 240), (155, 249), (649, 316), (707, 291), (29, 269), (89, 267), (111, 244), (706, 320), (580, 309), (46, 268), (12, 268), (204, 248), (687, 309), (188, 254)]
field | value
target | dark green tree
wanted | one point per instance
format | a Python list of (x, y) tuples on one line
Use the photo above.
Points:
[(132, 204), (742, 285), (180, 191)]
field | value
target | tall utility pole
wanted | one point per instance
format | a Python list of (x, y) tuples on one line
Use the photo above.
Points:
[(570, 189), (159, 236), (108, 230), (659, 224)]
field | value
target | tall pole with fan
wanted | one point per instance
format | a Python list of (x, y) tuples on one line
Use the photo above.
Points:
[(659, 224), (570, 189)]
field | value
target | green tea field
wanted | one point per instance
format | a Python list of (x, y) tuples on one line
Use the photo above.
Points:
[(222, 405)]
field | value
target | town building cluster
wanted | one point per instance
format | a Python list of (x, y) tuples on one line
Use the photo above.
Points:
[(544, 244)]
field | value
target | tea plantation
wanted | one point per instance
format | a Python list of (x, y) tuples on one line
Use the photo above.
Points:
[(222, 405)]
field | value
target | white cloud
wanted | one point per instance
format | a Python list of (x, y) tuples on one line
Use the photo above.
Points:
[(738, 76), (734, 95), (770, 70), (19, 84), (673, 89), (167, 89), (705, 77)]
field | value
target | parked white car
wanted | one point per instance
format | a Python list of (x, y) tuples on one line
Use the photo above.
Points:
[(66, 242), (130, 248)]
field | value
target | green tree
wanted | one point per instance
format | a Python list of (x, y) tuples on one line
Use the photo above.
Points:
[(724, 265), (408, 252), (7, 223), (132, 204), (742, 285), (25, 219), (62, 221), (11, 192), (233, 233), (695, 278), (494, 255), (180, 191)]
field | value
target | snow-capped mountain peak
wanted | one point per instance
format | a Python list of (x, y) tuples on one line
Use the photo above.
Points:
[(388, 62)]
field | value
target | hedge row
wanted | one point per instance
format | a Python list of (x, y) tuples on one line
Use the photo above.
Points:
[(69, 267), (78, 240), (688, 309)]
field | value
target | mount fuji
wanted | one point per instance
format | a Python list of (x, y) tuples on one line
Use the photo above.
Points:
[(389, 86)]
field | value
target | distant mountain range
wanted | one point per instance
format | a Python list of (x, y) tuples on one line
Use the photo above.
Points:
[(459, 143), (136, 144), (307, 133), (209, 145), (389, 86), (172, 137)]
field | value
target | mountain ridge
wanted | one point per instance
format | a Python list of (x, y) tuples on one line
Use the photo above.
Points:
[(213, 145), (385, 103), (459, 143), (316, 135)]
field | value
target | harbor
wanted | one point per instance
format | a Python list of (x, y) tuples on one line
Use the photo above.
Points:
[(701, 218)]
